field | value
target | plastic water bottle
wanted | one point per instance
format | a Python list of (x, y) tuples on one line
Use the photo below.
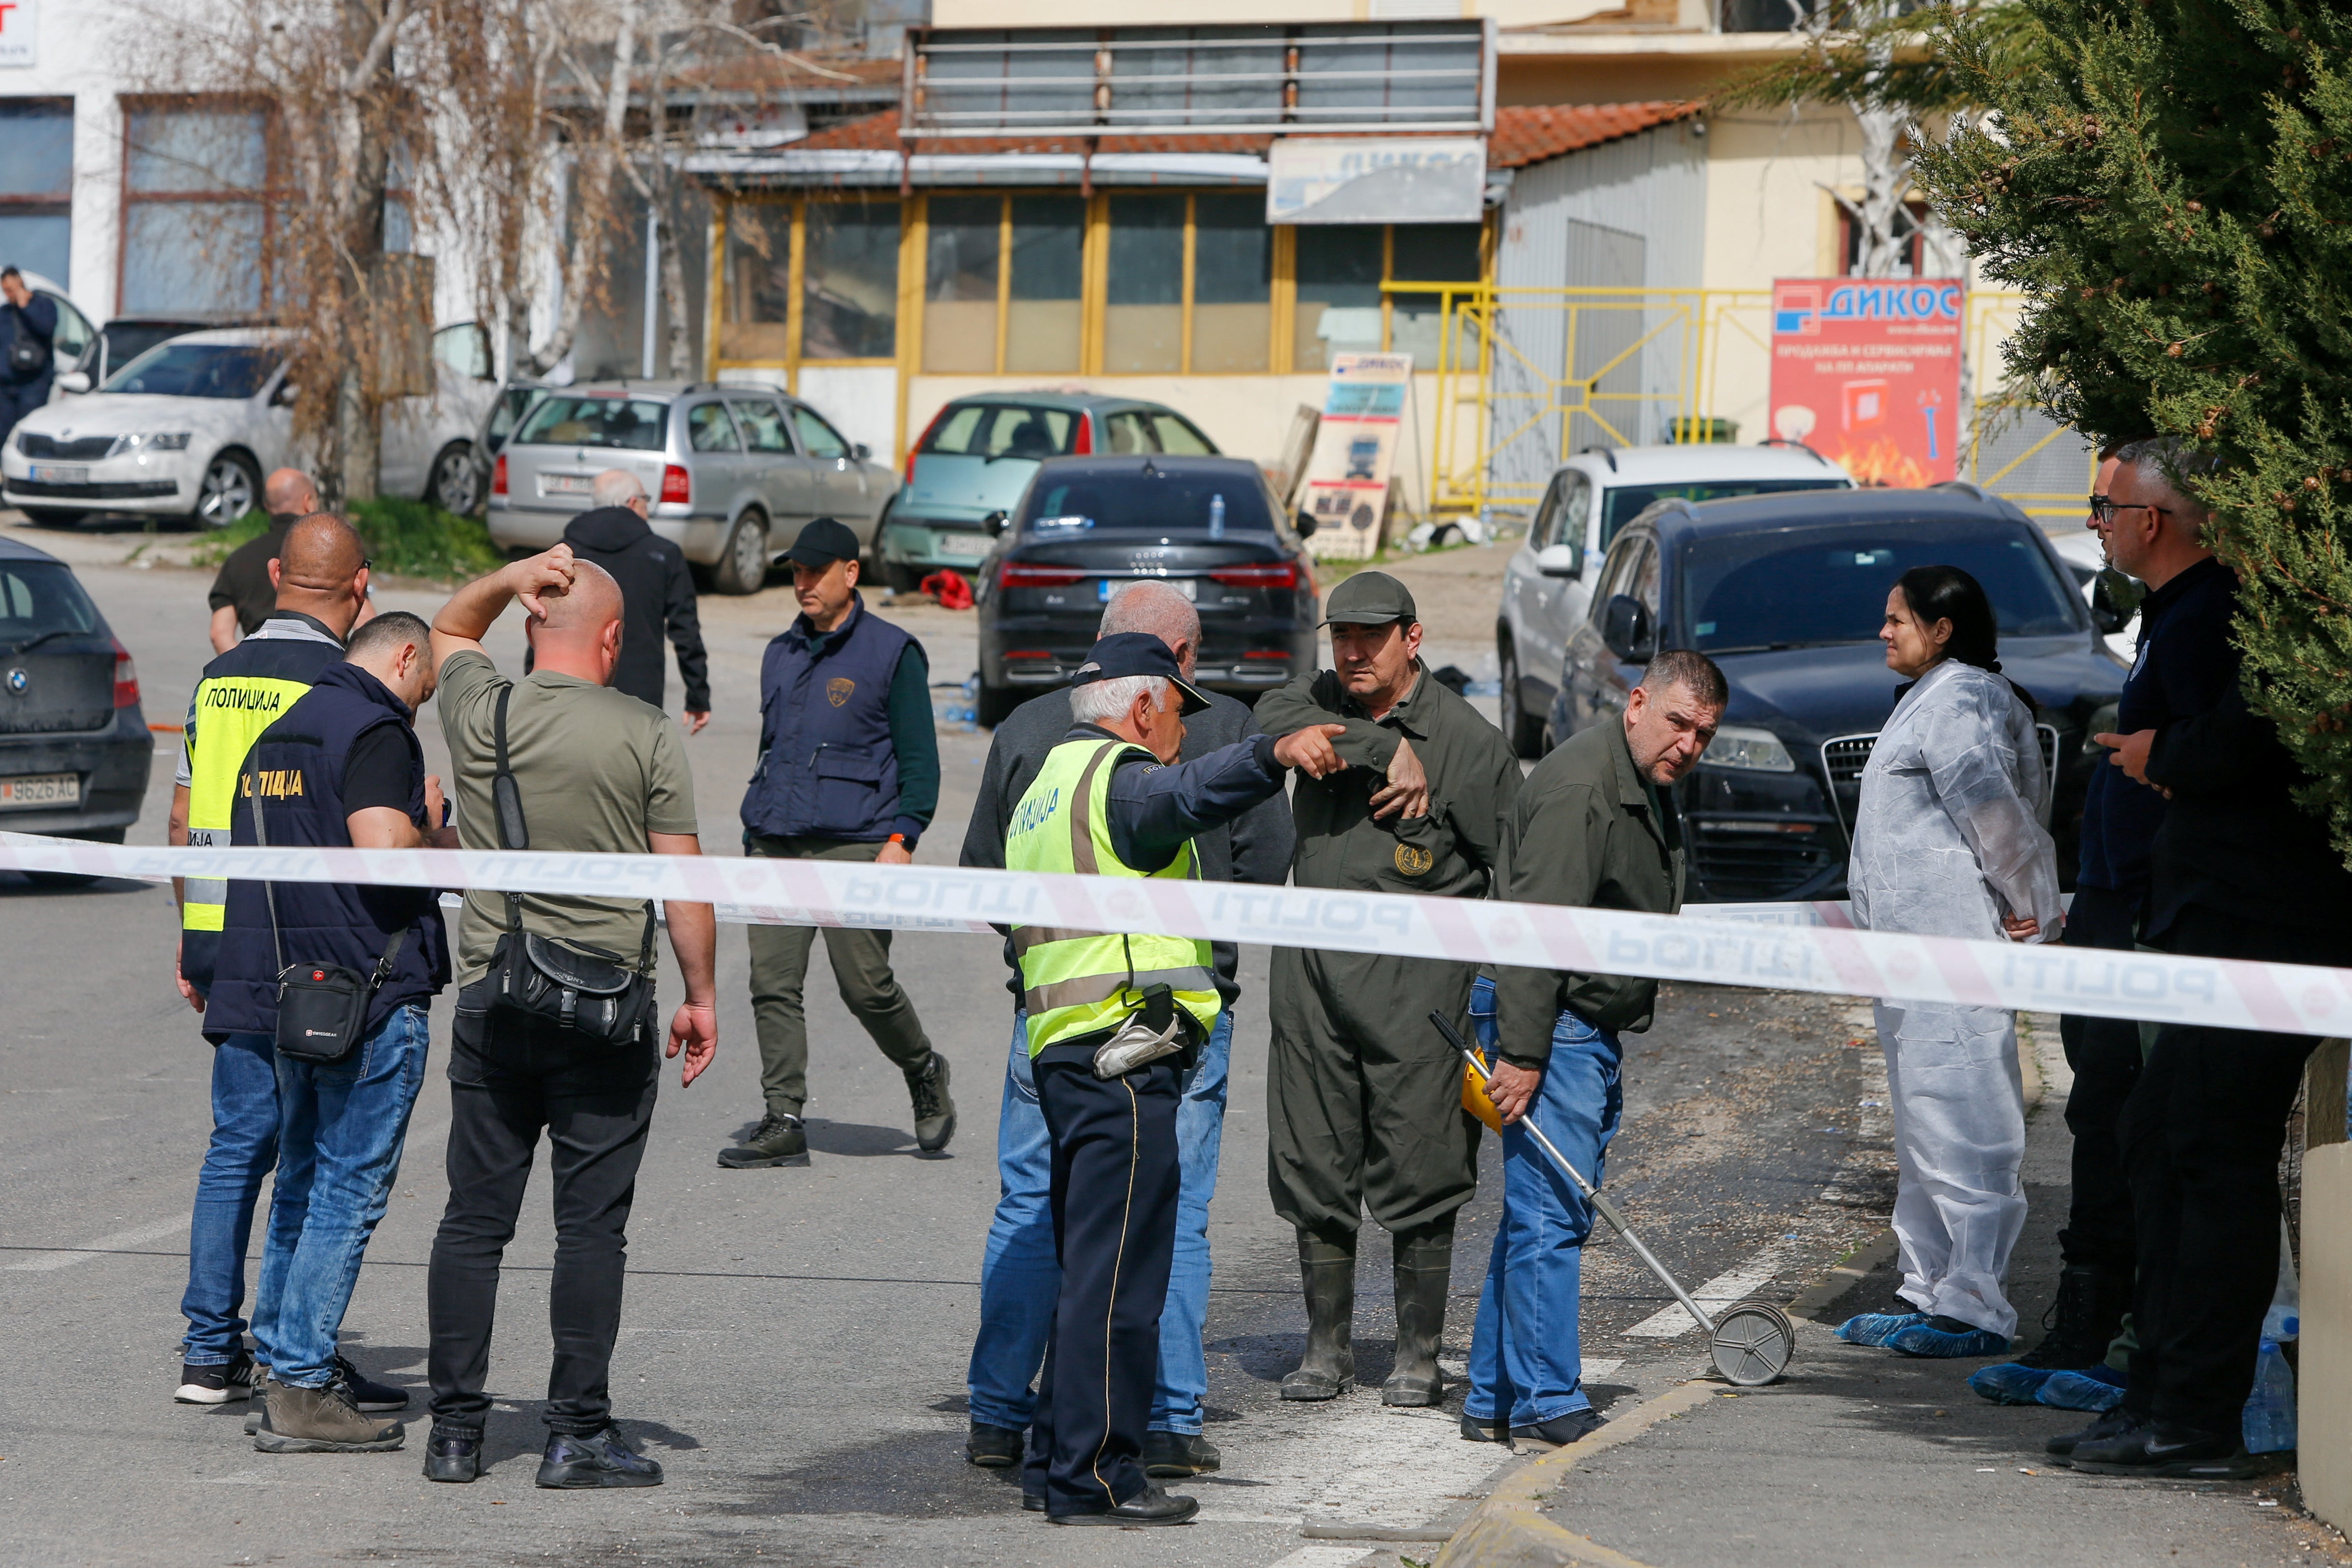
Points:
[(2269, 1419), (1217, 517)]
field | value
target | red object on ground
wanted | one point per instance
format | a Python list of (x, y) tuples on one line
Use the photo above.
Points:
[(947, 586)]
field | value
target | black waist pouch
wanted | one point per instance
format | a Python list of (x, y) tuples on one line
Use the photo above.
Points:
[(322, 1009), (594, 993)]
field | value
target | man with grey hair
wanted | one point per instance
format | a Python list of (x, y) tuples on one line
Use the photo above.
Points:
[(1019, 1278), (2237, 871), (656, 589)]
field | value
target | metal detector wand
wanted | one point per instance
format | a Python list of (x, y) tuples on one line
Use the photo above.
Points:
[(1607, 1209)]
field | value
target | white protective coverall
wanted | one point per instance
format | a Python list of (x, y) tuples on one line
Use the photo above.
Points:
[(1948, 839)]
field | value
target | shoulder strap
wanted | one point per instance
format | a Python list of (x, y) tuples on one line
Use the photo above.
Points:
[(252, 787), (506, 802)]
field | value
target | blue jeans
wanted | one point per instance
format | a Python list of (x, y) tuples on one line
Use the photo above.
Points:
[(341, 1128), (244, 1149), (1019, 1282), (1525, 1363)]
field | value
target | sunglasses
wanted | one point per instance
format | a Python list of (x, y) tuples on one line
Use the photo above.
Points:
[(2104, 510)]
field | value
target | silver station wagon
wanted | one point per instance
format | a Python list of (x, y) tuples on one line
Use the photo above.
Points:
[(732, 472)]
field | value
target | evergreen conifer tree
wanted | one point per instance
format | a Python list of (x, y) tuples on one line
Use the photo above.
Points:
[(2171, 183)]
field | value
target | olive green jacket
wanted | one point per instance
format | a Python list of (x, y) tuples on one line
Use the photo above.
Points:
[(1588, 830), (1457, 850)]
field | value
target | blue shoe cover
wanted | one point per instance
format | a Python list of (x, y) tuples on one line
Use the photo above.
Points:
[(2097, 1389), (2008, 1383), (1872, 1328), (1925, 1340)]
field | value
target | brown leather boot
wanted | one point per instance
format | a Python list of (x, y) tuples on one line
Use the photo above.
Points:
[(1423, 1266), (1329, 1273), (320, 1421)]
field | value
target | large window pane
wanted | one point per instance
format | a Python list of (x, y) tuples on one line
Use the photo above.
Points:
[(37, 242), (960, 285), (1143, 317), (1048, 249), (1233, 284), (201, 258), (36, 150), (1432, 253), (186, 150), (849, 281), (759, 282), (1338, 309)]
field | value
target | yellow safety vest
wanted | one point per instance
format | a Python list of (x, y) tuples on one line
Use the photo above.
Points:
[(231, 710), (1076, 983)]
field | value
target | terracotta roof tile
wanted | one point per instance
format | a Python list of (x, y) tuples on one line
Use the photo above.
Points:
[(1523, 134)]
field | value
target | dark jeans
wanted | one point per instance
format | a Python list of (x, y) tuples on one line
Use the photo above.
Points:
[(509, 1078), (2202, 1136), (2105, 1056), (1114, 1198)]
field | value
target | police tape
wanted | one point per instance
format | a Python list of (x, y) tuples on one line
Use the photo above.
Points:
[(1782, 947)]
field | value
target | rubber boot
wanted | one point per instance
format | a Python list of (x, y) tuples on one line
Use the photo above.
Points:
[(1423, 1266), (1329, 1364)]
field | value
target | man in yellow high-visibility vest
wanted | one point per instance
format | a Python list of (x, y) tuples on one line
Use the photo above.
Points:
[(1113, 1017)]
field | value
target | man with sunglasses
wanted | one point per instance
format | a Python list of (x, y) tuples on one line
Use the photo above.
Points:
[(2236, 870)]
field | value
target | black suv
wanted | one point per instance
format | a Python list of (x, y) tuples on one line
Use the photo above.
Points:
[(1787, 594), (1087, 527)]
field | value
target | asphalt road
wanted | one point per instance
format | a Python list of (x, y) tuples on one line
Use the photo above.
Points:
[(795, 1341)]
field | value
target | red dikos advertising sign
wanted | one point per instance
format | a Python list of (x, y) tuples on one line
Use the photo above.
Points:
[(1866, 371)]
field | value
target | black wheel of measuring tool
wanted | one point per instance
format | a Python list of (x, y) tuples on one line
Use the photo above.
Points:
[(1754, 1342)]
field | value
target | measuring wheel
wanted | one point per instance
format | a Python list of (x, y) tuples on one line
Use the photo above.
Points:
[(1754, 1342)]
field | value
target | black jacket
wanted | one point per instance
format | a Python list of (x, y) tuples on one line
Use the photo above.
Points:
[(657, 595), (1253, 847), (2233, 841)]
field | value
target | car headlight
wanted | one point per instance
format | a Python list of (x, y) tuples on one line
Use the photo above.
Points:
[(170, 440), (1757, 750)]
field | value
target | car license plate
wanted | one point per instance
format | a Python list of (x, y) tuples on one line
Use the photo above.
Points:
[(52, 474), (962, 547), (565, 485), (40, 789), (1189, 587)]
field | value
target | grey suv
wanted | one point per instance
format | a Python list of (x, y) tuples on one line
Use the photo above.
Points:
[(733, 472)]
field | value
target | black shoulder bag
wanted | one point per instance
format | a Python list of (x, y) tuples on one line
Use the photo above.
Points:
[(595, 994), (322, 1009), (28, 353)]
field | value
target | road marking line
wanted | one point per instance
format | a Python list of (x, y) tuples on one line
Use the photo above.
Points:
[(1743, 1281), (121, 1240)]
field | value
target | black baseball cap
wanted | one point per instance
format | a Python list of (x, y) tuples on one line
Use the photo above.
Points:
[(1138, 653), (1369, 599), (821, 543)]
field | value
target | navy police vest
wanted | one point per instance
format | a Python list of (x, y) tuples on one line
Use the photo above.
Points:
[(296, 765), (827, 769)]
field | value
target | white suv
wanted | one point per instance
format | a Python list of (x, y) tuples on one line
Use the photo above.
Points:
[(1547, 592)]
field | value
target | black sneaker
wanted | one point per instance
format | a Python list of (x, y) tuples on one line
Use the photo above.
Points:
[(368, 1394), (220, 1383), (1561, 1431), (2113, 1424), (779, 1140), (935, 1110), (2166, 1448), (453, 1454), (1475, 1430), (599, 1459), (993, 1447), (1179, 1454)]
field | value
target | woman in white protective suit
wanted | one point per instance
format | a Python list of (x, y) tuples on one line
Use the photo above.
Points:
[(1950, 842)]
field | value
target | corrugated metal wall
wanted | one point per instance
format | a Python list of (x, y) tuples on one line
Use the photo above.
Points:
[(1628, 214)]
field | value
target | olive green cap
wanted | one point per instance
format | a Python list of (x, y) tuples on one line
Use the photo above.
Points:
[(1369, 599)]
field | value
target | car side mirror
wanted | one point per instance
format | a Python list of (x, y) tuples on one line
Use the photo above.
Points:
[(993, 523), (1560, 560), (1626, 628), (861, 451), (2106, 614), (74, 382), (1305, 524), (285, 395)]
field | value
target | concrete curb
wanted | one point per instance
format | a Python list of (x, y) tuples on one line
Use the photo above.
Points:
[(1508, 1528)]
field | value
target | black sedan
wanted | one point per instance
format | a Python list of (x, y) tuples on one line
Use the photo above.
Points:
[(74, 743), (1787, 593), (1087, 527)]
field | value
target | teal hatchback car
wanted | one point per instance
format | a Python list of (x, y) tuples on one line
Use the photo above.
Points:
[(976, 456)]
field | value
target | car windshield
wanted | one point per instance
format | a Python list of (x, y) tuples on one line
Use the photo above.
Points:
[(1811, 587), (126, 340), (196, 370), (1623, 503), (40, 599), (1002, 430), (1146, 502), (638, 424)]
